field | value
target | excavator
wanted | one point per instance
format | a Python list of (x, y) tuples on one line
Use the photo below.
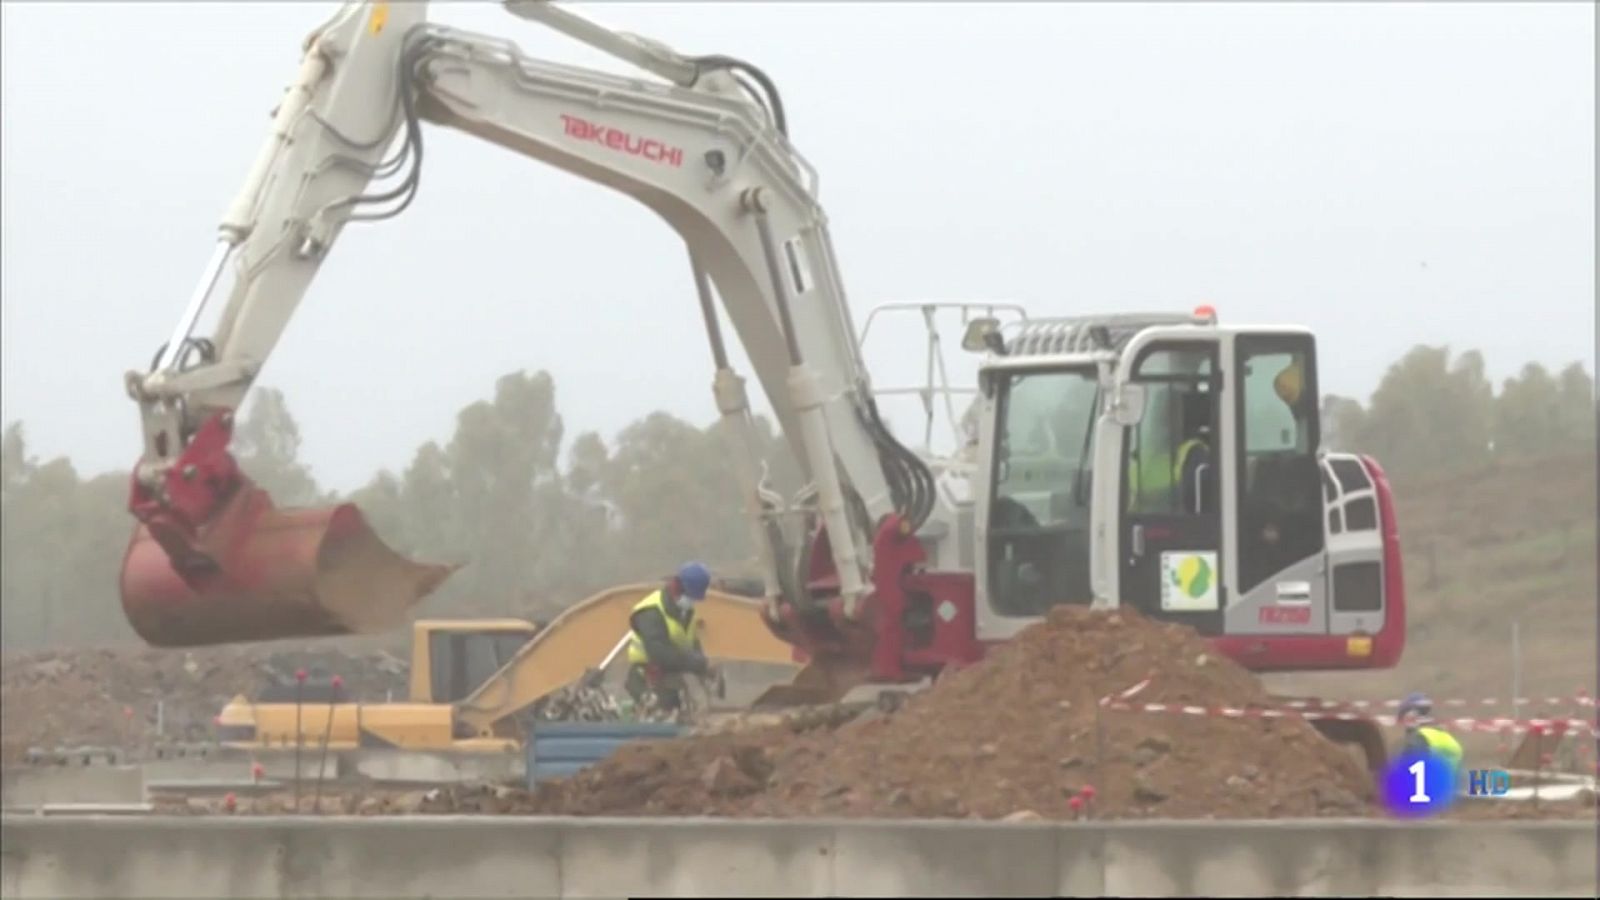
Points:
[(1075, 482)]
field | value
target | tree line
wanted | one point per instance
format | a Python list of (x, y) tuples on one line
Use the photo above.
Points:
[(542, 522), (1432, 414)]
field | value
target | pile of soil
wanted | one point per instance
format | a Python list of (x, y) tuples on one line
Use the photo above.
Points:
[(107, 696), (1016, 736)]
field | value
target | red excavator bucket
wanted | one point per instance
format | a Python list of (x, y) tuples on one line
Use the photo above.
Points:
[(250, 572), (279, 574)]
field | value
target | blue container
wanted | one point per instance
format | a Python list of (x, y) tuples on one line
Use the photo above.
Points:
[(559, 749)]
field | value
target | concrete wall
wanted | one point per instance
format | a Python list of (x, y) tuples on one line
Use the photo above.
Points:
[(380, 765), (402, 767), (504, 857), (29, 787)]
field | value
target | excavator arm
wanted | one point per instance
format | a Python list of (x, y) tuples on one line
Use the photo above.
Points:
[(212, 561)]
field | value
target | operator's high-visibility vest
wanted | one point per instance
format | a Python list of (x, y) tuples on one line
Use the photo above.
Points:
[(1441, 743), (681, 633), (1150, 483), (1183, 457)]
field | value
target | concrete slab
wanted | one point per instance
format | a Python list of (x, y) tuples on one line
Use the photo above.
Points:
[(216, 787), (33, 786), (1352, 857), (196, 769), (423, 857), (902, 859), (415, 767), (140, 857), (1460, 859), (1080, 861), (95, 809), (696, 857), (158, 856), (1292, 859), (386, 766)]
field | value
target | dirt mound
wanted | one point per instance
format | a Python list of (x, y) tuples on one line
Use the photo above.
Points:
[(1020, 734), (108, 697), (1023, 732)]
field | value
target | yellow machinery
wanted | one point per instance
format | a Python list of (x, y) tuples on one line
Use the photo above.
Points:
[(471, 678)]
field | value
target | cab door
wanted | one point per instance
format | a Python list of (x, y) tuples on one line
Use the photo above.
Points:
[(1280, 562), (1170, 534)]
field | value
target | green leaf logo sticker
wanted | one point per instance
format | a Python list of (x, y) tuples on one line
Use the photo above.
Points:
[(1193, 577)]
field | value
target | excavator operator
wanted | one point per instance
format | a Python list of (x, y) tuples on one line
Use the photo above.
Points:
[(1191, 469), (665, 645)]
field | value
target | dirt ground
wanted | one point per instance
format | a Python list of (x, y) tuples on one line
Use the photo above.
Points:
[(132, 699)]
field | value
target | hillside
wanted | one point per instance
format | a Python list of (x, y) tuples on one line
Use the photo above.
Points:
[(1511, 543)]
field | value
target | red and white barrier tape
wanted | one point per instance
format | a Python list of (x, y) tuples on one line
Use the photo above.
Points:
[(1322, 709), (1578, 699), (1124, 695), (1581, 698), (1511, 726)]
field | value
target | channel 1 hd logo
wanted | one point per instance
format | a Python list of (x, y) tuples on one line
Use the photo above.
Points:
[(1422, 784)]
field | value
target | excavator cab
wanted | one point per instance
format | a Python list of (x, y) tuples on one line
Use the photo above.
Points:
[(1192, 452), (1174, 466), (452, 659)]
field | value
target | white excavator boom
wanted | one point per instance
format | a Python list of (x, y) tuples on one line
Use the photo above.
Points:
[(705, 149)]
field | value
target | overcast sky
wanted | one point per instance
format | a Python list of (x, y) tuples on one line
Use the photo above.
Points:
[(1386, 174)]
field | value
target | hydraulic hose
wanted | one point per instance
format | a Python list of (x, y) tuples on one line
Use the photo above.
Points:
[(774, 104)]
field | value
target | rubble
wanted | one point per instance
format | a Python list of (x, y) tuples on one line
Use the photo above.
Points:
[(133, 699)]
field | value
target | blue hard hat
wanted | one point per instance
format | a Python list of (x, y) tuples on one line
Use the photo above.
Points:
[(1416, 702), (694, 578)]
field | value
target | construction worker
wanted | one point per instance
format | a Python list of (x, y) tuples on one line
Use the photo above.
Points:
[(1191, 464), (665, 645), (1423, 735)]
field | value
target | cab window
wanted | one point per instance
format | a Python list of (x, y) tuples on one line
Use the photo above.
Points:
[(463, 661), (1179, 421), (1039, 516), (1279, 480)]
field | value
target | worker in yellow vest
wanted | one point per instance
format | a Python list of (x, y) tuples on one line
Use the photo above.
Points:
[(665, 644), (1423, 735), (1184, 481)]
